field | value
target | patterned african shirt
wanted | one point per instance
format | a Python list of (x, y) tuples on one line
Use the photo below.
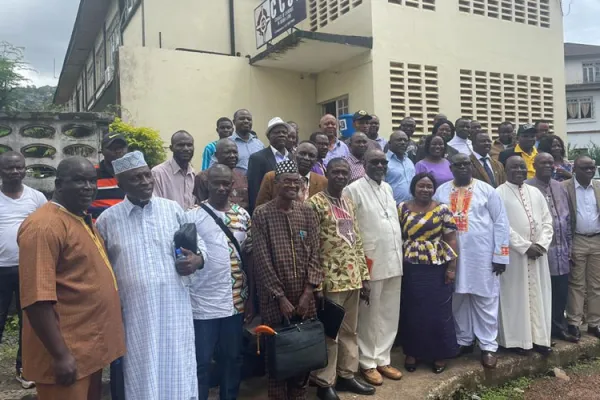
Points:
[(341, 248)]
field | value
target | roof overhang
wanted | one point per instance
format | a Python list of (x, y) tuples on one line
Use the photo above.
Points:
[(583, 87), (312, 52), (89, 22)]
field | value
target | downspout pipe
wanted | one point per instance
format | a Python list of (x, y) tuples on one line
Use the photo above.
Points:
[(232, 28)]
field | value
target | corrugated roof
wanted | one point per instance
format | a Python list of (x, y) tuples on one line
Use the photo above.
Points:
[(578, 50)]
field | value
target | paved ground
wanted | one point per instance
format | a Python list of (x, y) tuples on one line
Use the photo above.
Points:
[(422, 384)]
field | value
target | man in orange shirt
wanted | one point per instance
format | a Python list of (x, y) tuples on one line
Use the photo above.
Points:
[(73, 326)]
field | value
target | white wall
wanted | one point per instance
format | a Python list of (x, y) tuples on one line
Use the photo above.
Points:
[(170, 90), (582, 132)]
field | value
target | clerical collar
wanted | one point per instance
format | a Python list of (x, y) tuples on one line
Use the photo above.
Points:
[(514, 185)]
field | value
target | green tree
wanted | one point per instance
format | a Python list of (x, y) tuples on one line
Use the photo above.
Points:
[(146, 140), (12, 65)]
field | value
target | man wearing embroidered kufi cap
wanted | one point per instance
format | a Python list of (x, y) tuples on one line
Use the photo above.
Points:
[(160, 361)]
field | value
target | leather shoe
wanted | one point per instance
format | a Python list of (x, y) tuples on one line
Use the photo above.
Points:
[(567, 337), (462, 350), (327, 393), (519, 350), (543, 350), (372, 376), (574, 331), (594, 330), (488, 359), (354, 386), (390, 372)]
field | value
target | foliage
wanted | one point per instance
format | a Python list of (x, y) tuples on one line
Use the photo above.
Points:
[(12, 65), (592, 150), (146, 140), (31, 98)]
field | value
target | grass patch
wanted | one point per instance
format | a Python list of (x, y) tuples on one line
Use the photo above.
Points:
[(10, 340), (513, 390)]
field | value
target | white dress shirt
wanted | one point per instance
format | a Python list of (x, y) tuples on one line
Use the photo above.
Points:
[(278, 156), (463, 146), (588, 217)]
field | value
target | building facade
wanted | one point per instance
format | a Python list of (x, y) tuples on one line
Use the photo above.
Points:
[(582, 77), (182, 65)]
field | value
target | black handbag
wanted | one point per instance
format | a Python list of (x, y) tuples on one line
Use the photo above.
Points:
[(296, 349)]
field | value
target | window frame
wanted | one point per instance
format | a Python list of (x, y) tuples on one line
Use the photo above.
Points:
[(579, 101)]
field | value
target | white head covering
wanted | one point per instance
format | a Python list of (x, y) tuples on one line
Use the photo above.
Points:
[(132, 160), (276, 122)]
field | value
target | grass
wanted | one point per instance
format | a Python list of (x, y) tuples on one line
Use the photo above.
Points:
[(9, 345), (515, 390)]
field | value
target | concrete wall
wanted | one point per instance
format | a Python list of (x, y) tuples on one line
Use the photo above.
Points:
[(453, 40), (58, 123), (573, 72), (170, 90)]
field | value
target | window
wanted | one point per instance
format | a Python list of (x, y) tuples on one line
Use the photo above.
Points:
[(336, 107), (530, 12), (414, 93), (591, 72), (90, 85), (322, 12), (493, 97), (424, 4), (582, 108), (113, 40), (100, 65)]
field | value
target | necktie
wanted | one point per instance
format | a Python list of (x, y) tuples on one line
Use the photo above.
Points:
[(303, 194), (489, 171)]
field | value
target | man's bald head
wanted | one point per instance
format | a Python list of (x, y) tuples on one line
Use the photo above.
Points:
[(544, 166), (218, 170), (227, 153), (75, 184), (8, 155), (12, 171), (516, 170)]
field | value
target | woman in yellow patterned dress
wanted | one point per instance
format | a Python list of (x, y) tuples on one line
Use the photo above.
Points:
[(426, 322)]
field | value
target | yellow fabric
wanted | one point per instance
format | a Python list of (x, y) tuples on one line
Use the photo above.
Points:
[(528, 160)]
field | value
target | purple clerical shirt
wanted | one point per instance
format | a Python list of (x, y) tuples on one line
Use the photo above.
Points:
[(559, 252)]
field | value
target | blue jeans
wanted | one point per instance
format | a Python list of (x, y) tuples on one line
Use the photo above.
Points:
[(222, 338)]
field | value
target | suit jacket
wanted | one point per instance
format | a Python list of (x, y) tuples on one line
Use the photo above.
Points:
[(259, 164), (506, 154), (268, 189), (479, 171), (570, 185)]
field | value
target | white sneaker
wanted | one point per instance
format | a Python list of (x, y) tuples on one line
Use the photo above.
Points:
[(25, 384)]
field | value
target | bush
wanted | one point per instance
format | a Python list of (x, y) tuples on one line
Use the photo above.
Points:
[(146, 140)]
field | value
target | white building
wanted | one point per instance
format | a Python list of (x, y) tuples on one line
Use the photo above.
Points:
[(182, 64), (582, 77)]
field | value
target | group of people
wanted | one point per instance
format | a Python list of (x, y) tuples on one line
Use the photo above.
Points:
[(438, 245)]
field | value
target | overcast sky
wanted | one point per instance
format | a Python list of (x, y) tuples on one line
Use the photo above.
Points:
[(44, 27)]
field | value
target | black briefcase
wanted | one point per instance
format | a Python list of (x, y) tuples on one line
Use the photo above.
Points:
[(296, 350)]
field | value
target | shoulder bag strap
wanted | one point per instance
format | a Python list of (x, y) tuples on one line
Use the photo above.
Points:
[(224, 228)]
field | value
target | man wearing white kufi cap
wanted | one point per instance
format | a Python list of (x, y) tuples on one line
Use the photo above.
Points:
[(157, 314)]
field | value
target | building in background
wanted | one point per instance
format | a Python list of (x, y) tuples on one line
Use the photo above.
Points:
[(582, 78), (181, 65)]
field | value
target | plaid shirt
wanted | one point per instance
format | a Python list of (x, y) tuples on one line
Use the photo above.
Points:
[(357, 168), (285, 248)]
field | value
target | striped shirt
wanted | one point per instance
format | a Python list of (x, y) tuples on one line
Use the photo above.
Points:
[(207, 155), (109, 193)]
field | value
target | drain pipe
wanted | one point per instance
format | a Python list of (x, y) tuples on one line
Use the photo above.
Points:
[(232, 28)]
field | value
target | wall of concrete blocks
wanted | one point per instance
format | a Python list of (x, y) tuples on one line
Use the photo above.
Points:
[(46, 138)]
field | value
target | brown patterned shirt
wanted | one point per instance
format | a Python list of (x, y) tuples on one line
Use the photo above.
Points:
[(63, 261), (341, 248)]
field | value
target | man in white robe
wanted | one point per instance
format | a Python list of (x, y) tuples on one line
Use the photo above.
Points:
[(382, 241), (525, 287), (483, 237), (160, 362)]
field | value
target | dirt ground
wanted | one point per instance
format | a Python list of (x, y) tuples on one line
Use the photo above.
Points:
[(584, 383)]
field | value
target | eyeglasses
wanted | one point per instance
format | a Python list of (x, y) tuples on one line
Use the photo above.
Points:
[(383, 162)]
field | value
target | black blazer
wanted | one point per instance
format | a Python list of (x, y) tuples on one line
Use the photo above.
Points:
[(259, 164), (506, 154)]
